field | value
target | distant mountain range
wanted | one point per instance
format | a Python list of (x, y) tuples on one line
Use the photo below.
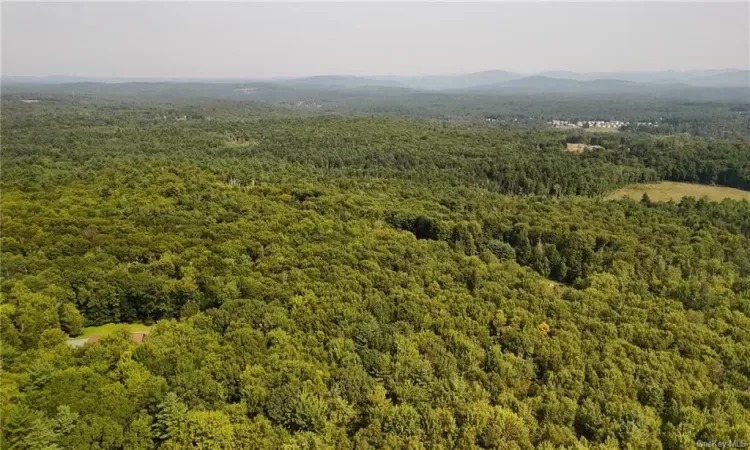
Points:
[(540, 83), (555, 80), (482, 81), (340, 81), (451, 82), (726, 79), (326, 90)]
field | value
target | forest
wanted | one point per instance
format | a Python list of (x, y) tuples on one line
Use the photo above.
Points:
[(357, 279), (706, 112)]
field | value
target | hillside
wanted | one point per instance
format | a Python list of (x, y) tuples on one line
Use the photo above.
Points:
[(739, 78), (545, 84), (339, 81), (698, 78)]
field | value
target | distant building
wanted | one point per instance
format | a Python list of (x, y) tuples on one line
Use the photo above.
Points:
[(588, 123)]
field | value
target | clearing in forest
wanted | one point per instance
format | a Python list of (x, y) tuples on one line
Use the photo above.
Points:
[(669, 190), (93, 334), (580, 148), (111, 327)]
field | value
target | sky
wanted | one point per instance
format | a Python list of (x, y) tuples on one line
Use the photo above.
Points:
[(262, 40)]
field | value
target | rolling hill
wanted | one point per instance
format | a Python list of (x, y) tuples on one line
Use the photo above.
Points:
[(739, 78), (538, 83), (339, 81), (553, 81)]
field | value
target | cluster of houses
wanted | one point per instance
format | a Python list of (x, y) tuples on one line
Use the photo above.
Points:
[(302, 104), (492, 119), (589, 123), (616, 124)]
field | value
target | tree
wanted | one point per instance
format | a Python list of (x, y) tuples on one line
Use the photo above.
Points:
[(170, 418), (203, 430), (71, 321)]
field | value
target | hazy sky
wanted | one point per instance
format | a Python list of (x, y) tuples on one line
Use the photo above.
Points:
[(285, 39)]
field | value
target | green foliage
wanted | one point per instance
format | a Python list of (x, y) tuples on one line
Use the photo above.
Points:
[(71, 321), (203, 430), (364, 283)]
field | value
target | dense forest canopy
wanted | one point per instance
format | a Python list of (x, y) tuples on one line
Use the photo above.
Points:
[(331, 280)]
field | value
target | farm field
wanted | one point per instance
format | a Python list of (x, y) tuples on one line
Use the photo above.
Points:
[(669, 190)]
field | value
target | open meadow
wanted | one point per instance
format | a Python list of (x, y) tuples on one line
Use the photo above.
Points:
[(669, 190)]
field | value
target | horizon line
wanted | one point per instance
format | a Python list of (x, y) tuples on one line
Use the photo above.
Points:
[(279, 77)]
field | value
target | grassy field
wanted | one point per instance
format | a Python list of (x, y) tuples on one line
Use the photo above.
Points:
[(668, 190), (110, 327)]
